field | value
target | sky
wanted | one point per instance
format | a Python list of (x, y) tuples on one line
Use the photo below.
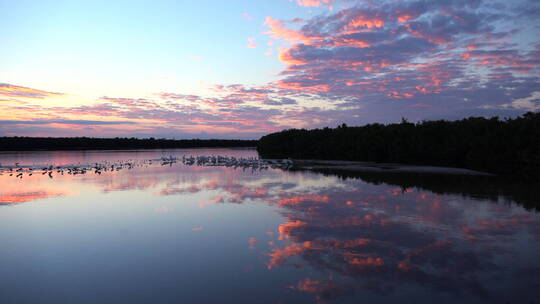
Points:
[(243, 69)]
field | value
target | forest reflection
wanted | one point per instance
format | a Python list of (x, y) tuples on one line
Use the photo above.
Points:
[(362, 234)]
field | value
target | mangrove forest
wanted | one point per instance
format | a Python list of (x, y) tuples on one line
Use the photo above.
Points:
[(490, 144)]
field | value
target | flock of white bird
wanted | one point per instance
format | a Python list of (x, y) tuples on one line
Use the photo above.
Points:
[(252, 163)]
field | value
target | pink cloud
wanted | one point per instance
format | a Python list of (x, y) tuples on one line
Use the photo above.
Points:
[(251, 43), (279, 31), (10, 90), (313, 2), (367, 62), (364, 22)]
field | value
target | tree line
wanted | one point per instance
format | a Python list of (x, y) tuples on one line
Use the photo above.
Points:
[(90, 143), (494, 145)]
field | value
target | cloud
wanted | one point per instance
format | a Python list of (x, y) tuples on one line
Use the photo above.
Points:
[(9, 90), (251, 43), (279, 31), (235, 112), (531, 103), (63, 121), (313, 2), (364, 62), (452, 57)]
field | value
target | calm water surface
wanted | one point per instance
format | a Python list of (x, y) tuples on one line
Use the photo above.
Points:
[(180, 234)]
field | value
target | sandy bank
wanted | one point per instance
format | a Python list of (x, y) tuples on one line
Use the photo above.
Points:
[(379, 167)]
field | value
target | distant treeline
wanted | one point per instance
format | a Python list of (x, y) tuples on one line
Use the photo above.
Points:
[(500, 146), (89, 143)]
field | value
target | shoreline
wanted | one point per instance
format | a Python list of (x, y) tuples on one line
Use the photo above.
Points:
[(357, 166)]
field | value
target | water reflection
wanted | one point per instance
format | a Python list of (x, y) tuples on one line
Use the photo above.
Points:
[(289, 237), (16, 197), (13, 191)]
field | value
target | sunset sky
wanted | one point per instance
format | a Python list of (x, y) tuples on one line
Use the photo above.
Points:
[(242, 69)]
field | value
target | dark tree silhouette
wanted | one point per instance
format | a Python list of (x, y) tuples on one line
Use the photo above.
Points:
[(502, 146), (88, 143)]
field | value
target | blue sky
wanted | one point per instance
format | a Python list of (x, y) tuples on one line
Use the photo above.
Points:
[(105, 40), (241, 69)]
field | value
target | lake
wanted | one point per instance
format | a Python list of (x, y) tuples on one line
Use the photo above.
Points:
[(198, 234)]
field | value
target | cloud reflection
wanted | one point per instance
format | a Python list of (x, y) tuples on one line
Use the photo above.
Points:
[(360, 237), (12, 197)]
